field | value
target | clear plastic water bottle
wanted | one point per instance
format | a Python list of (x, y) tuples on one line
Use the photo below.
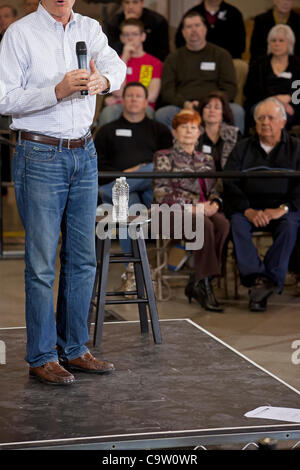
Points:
[(115, 200), (123, 199), (120, 197)]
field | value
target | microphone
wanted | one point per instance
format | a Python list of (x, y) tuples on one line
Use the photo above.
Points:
[(81, 53)]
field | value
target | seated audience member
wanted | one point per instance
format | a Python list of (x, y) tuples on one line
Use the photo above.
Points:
[(141, 67), (128, 144), (225, 26), (29, 6), (194, 70), (281, 13), (156, 28), (273, 74), (8, 15), (264, 204), (218, 135), (184, 157)]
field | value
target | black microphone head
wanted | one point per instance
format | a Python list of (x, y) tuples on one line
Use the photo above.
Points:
[(81, 48)]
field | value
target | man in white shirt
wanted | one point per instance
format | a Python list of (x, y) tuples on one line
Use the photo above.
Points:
[(55, 175)]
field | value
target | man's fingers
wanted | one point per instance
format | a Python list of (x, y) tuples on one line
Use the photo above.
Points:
[(92, 66)]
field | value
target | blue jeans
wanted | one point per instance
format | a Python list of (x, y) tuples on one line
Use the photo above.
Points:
[(165, 115), (140, 192), (56, 191), (275, 263)]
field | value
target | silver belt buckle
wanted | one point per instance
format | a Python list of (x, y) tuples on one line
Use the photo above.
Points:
[(68, 146)]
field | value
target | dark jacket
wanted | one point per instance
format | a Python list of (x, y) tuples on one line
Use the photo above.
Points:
[(122, 144), (156, 28), (262, 82), (262, 25), (261, 193), (227, 32)]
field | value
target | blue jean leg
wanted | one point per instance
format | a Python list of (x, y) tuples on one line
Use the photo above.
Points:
[(165, 115), (275, 264), (46, 180)]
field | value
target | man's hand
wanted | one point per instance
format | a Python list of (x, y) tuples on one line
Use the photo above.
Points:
[(210, 208), (274, 214), (73, 81), (191, 104), (257, 218), (133, 168), (127, 52), (81, 79), (97, 83)]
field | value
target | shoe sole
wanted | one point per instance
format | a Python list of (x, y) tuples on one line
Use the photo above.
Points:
[(88, 371), (47, 382)]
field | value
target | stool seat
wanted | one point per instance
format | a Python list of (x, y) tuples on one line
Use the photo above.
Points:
[(144, 292)]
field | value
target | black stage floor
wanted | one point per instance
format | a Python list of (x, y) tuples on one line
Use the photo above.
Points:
[(191, 390)]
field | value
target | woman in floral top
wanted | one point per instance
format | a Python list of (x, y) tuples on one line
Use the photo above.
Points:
[(183, 157)]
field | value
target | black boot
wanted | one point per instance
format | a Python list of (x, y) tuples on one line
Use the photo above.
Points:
[(202, 291)]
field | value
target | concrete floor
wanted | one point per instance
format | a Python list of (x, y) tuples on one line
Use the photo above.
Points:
[(266, 338)]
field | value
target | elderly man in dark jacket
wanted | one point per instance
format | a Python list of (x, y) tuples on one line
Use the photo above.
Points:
[(264, 204)]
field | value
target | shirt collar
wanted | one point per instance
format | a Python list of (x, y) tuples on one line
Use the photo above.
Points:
[(48, 19), (283, 138)]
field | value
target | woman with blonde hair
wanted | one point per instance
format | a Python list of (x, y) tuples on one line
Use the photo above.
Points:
[(184, 157), (274, 74)]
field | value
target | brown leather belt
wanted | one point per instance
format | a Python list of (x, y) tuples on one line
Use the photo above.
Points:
[(46, 139)]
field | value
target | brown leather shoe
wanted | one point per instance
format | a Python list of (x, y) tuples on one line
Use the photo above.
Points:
[(52, 373), (88, 363)]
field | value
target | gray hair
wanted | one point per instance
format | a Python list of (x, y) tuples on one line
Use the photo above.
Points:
[(279, 105), (288, 33)]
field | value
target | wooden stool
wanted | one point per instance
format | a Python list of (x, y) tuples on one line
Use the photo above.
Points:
[(144, 287)]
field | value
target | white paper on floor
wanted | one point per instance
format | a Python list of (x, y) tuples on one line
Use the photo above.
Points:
[(274, 412)]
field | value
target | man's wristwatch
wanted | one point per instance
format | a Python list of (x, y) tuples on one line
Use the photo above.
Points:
[(284, 207)]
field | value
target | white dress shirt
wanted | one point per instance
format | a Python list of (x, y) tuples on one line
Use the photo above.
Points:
[(35, 54)]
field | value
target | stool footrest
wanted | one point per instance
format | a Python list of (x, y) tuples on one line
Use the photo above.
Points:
[(126, 301), (112, 294), (125, 260)]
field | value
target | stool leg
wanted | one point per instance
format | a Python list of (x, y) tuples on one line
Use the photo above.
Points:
[(98, 257), (102, 283), (140, 289), (150, 291)]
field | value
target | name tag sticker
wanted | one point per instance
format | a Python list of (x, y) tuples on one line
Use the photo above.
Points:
[(206, 148), (129, 70), (287, 75), (123, 132), (210, 66)]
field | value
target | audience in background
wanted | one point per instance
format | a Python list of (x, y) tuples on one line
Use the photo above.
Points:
[(29, 6), (128, 144), (280, 13), (141, 67), (183, 156), (8, 14), (156, 28), (194, 70), (274, 74), (225, 26), (264, 204)]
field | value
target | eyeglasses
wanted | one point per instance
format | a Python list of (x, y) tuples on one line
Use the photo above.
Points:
[(262, 117), (128, 35)]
